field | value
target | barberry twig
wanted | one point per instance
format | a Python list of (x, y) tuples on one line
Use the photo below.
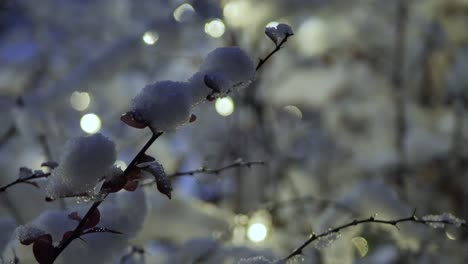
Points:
[(204, 170), (134, 251), (413, 218), (277, 48), (77, 231), (274, 206), (26, 180)]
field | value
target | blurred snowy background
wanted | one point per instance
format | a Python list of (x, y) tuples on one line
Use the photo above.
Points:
[(363, 112)]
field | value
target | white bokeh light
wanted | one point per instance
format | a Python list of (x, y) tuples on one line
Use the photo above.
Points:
[(257, 232), (312, 36), (215, 28), (80, 100), (150, 37), (182, 12), (90, 123), (234, 12), (224, 106)]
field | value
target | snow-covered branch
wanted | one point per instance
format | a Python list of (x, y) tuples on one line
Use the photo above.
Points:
[(435, 221)]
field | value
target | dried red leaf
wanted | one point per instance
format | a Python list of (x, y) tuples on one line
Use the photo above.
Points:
[(211, 83), (192, 118), (93, 220), (129, 119), (134, 174), (32, 183), (164, 186), (74, 216), (115, 184), (43, 249), (210, 97), (49, 164), (66, 235), (28, 242), (131, 186), (145, 158)]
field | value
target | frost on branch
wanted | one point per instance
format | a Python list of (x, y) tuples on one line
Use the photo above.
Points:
[(84, 162), (327, 240), (223, 70), (279, 32), (164, 105), (438, 221), (27, 234), (255, 260)]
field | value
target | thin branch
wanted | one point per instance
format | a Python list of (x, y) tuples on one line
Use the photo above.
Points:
[(77, 231), (134, 251), (413, 218), (8, 135), (26, 180), (401, 19), (274, 206), (205, 170), (277, 48)]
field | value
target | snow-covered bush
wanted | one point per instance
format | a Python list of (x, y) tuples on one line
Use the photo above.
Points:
[(318, 153)]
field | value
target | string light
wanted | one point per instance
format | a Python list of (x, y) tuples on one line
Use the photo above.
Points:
[(257, 232), (224, 106), (215, 28), (90, 123)]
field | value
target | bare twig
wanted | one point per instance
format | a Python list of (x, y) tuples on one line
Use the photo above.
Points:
[(413, 218), (401, 19), (277, 48), (26, 180), (274, 206), (8, 135), (134, 251), (77, 231), (204, 170)]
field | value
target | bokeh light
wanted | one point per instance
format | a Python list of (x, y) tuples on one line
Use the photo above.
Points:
[(294, 111), (234, 12), (361, 245), (150, 37), (215, 28), (80, 100), (90, 123), (182, 12), (257, 232), (312, 36), (224, 106)]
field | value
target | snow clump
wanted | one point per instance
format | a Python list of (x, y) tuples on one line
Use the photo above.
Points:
[(166, 105), (163, 105), (84, 162)]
